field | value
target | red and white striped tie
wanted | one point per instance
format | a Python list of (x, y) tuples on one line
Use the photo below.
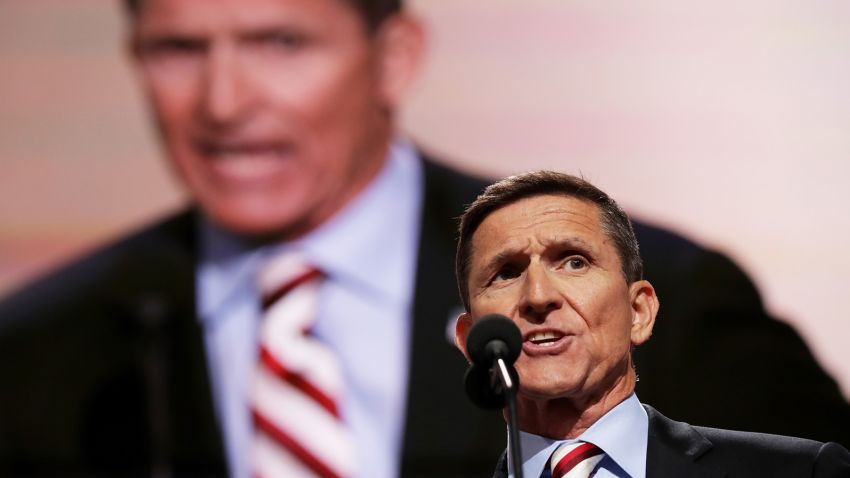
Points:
[(575, 460), (298, 430)]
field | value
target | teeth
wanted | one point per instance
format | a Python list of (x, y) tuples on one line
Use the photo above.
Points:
[(247, 162), (237, 152), (544, 338)]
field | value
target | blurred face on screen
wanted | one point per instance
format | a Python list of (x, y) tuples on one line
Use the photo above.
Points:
[(546, 263), (275, 113)]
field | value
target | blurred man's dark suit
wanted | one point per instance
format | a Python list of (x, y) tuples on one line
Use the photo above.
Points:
[(677, 449), (103, 370)]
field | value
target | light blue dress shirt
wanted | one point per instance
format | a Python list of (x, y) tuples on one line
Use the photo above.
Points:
[(621, 433), (368, 252)]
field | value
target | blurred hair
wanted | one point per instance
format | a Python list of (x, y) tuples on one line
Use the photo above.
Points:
[(615, 222)]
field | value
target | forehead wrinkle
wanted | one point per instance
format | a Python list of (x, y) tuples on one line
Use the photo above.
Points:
[(229, 17), (166, 22), (567, 242), (576, 218), (533, 215), (570, 224)]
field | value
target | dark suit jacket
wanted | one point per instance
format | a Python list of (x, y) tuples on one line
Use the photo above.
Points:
[(102, 366), (676, 449)]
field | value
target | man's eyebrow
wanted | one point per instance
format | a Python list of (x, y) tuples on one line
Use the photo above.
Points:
[(571, 242), (562, 243), (501, 257), (496, 261), (165, 35), (152, 43)]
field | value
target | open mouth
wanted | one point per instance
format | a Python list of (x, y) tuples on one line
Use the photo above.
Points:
[(235, 151), (248, 162), (545, 339)]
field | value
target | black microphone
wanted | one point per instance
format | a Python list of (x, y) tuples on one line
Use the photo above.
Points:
[(494, 337), (494, 344)]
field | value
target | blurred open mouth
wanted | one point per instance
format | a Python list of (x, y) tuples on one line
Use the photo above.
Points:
[(249, 161)]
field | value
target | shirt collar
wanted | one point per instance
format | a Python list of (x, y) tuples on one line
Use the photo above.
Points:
[(226, 271), (621, 434), (370, 241)]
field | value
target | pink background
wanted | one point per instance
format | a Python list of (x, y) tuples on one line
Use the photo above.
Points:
[(728, 121)]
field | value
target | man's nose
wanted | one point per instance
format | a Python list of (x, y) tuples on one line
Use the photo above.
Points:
[(227, 90), (540, 294)]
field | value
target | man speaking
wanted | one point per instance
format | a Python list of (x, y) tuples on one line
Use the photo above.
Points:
[(559, 258)]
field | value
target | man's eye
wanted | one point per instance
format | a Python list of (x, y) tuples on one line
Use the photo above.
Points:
[(289, 40), (506, 274), (169, 47), (575, 263), (281, 41)]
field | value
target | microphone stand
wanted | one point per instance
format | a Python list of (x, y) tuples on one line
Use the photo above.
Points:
[(501, 371), (494, 343)]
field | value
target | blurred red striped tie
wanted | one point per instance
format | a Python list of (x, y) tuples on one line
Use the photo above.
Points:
[(298, 430), (575, 460)]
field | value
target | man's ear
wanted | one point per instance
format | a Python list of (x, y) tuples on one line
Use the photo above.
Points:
[(401, 44), (644, 309), (462, 326)]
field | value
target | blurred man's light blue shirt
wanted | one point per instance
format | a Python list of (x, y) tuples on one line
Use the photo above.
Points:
[(368, 252)]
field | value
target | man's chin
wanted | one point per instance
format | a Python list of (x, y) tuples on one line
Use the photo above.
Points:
[(552, 390), (254, 225)]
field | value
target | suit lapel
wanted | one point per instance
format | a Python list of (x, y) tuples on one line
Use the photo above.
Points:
[(674, 449), (197, 442), (444, 434), (502, 466), (158, 298)]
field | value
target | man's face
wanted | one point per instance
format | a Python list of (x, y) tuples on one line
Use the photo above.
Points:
[(546, 263), (274, 112)]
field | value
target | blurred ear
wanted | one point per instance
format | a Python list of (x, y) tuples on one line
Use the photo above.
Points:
[(462, 326), (644, 309), (401, 44)]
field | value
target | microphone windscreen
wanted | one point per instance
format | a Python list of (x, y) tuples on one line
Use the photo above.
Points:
[(480, 389), (490, 328)]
